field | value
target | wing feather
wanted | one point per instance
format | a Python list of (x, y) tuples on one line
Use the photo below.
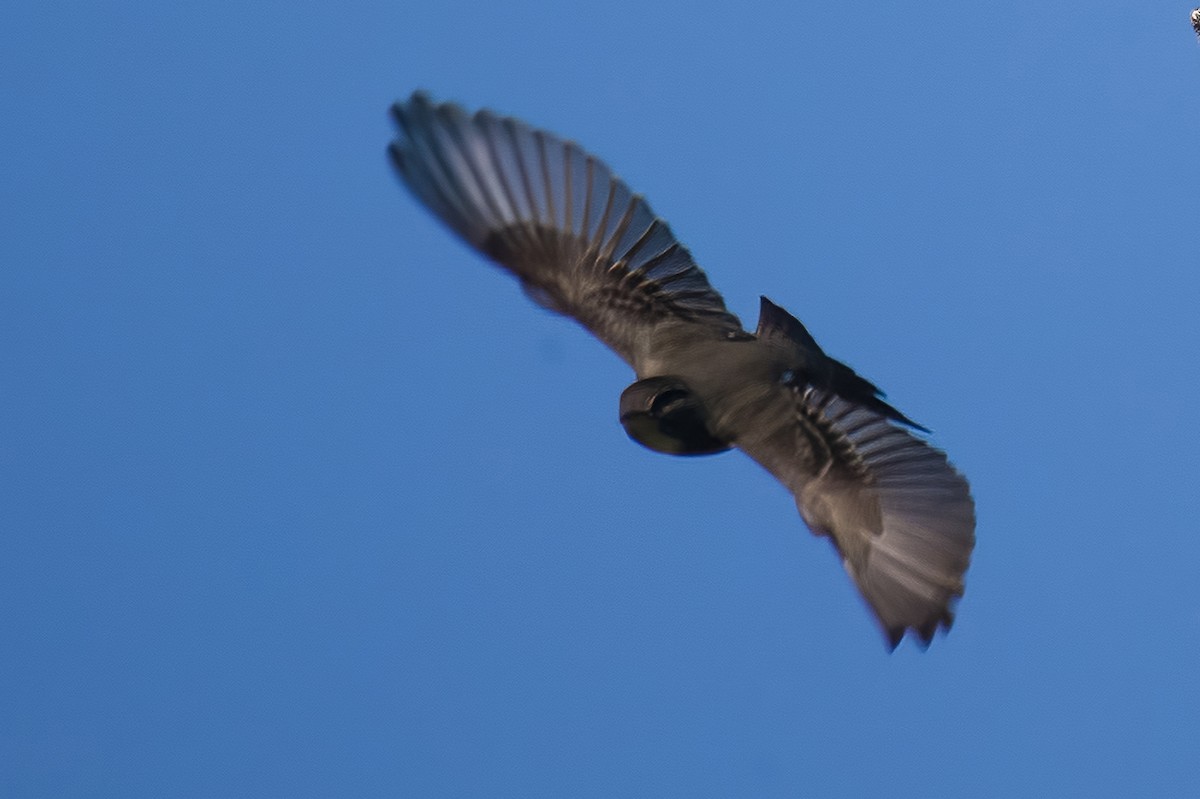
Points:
[(899, 514), (579, 240)]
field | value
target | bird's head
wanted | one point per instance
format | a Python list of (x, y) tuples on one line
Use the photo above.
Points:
[(663, 414)]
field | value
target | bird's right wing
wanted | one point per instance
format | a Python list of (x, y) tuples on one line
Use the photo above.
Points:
[(556, 217), (898, 513)]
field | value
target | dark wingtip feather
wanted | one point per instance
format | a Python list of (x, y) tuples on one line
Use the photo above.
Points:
[(403, 111), (894, 635), (396, 154), (926, 632), (419, 97)]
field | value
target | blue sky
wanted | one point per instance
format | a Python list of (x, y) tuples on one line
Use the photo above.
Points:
[(302, 498)]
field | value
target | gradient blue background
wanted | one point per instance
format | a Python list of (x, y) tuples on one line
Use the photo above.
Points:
[(301, 498)]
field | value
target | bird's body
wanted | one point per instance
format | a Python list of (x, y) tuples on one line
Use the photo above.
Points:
[(582, 244), (728, 373)]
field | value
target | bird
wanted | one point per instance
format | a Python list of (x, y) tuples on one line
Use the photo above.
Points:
[(583, 244), (1196, 21)]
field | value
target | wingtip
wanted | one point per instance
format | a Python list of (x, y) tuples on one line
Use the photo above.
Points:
[(404, 113), (395, 153), (893, 635), (403, 110), (418, 97), (923, 635)]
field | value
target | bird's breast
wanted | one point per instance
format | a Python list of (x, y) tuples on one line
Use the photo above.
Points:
[(738, 381)]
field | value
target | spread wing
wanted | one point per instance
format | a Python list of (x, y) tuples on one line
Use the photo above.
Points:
[(556, 217), (899, 514)]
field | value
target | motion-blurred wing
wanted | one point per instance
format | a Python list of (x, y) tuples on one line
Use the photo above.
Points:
[(578, 239), (899, 514)]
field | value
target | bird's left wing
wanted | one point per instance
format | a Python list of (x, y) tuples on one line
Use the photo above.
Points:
[(556, 217), (900, 515)]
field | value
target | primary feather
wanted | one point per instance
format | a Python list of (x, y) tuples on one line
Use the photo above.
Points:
[(579, 240)]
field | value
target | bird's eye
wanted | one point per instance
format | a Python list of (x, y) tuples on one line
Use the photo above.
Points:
[(787, 377)]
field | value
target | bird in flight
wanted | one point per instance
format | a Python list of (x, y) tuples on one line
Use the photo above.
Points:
[(582, 244)]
